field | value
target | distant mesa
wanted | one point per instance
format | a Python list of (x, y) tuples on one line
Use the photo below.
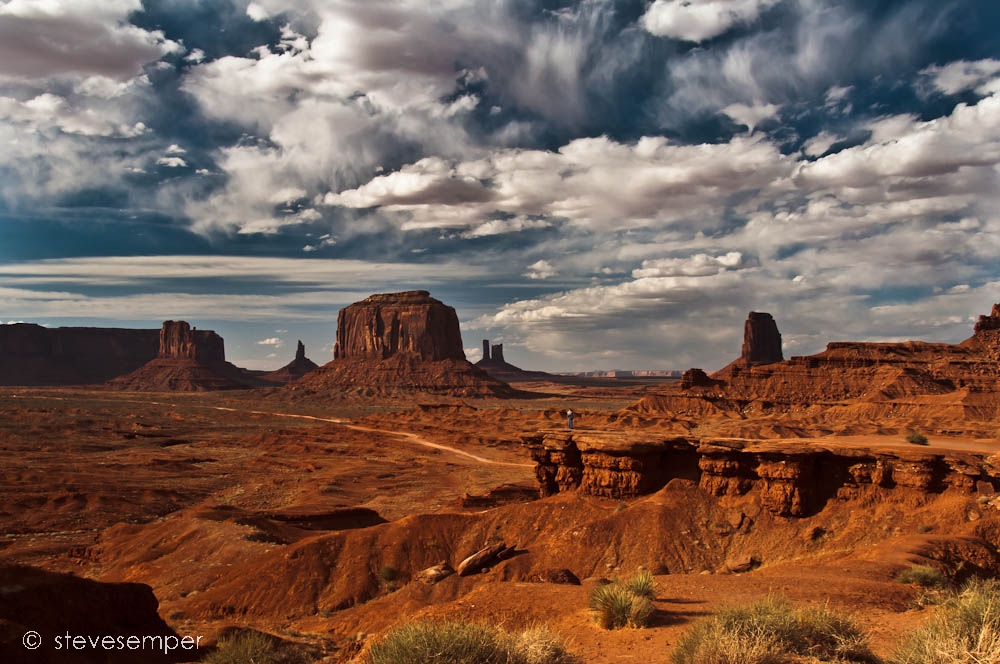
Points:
[(405, 341), (189, 360), (863, 386), (33, 355), (295, 369)]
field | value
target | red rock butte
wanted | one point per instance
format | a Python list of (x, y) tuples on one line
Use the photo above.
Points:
[(405, 341), (411, 322)]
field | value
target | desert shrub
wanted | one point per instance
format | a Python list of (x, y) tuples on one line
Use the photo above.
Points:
[(615, 605), (965, 630), (924, 576), (916, 439), (248, 646), (642, 584), (388, 573), (460, 642), (771, 631)]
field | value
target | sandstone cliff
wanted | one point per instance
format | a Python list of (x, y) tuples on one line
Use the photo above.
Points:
[(35, 355), (399, 342), (411, 323), (188, 360), (855, 387), (788, 478)]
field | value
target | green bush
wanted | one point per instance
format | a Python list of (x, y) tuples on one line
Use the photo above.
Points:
[(771, 631), (917, 439), (624, 603), (460, 642), (248, 646), (965, 630), (924, 576), (642, 584)]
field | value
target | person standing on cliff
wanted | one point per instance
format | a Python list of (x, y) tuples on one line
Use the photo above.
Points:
[(569, 418)]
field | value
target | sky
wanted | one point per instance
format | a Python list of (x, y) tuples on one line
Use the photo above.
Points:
[(594, 184)]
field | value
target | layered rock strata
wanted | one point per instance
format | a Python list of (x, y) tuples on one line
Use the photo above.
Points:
[(409, 323), (394, 342), (189, 360), (791, 480)]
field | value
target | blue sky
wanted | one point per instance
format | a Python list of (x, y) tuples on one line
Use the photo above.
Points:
[(594, 184)]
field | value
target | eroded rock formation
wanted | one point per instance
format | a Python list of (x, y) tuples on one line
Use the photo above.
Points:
[(35, 355), (761, 340), (178, 340), (410, 323), (790, 479), (394, 342), (295, 369), (188, 360)]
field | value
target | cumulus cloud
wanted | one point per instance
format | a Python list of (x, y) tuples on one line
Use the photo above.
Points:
[(272, 341), (698, 21), (962, 75), (42, 39), (540, 270), (590, 182), (171, 162)]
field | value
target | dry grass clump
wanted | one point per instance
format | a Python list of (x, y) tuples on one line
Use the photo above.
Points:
[(624, 603), (460, 642), (771, 631), (249, 646), (924, 576), (965, 630)]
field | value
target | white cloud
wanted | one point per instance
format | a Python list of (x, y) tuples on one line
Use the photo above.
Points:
[(272, 341), (962, 75), (819, 144), (540, 270), (42, 39), (700, 19), (171, 162)]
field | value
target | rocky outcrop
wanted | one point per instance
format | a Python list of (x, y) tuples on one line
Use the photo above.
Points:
[(35, 355), (496, 353), (697, 378), (495, 365), (399, 342), (862, 387), (54, 604), (761, 340), (410, 323), (789, 479), (988, 323), (178, 340), (297, 368), (188, 360)]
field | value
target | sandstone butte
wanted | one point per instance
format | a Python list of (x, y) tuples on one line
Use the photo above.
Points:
[(188, 360), (394, 342)]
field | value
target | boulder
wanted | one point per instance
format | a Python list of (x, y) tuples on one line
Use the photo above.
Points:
[(434, 574), (485, 557)]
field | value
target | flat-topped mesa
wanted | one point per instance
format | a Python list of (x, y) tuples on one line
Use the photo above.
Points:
[(409, 323), (178, 340), (761, 340)]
